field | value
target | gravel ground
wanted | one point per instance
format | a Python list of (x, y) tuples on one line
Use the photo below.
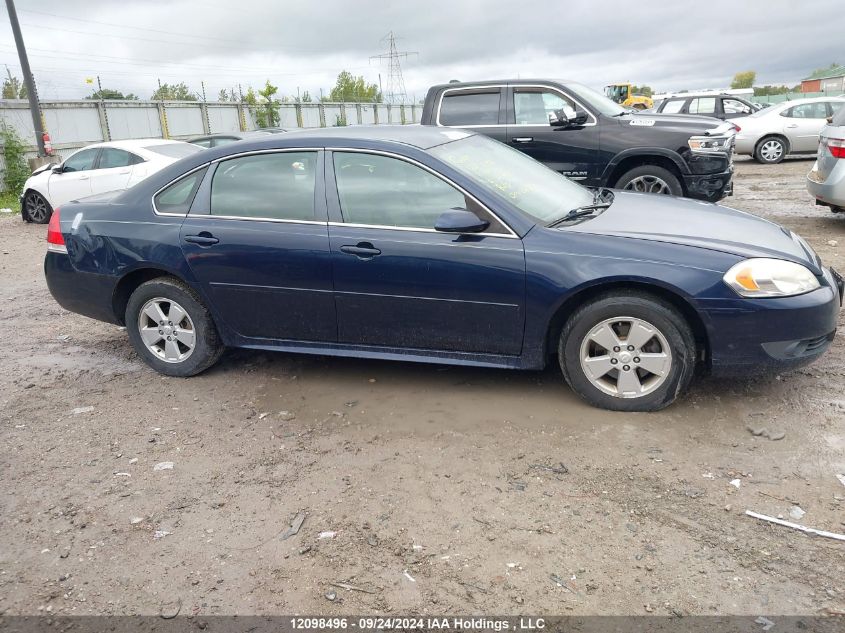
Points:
[(431, 489)]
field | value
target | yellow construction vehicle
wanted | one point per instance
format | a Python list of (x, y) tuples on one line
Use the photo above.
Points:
[(623, 94)]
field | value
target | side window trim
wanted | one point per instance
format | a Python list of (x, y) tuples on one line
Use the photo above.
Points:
[(333, 195), (201, 205)]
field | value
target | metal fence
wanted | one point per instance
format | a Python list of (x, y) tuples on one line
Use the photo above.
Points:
[(75, 124), (792, 96)]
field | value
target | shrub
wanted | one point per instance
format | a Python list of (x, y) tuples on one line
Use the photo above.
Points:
[(16, 171)]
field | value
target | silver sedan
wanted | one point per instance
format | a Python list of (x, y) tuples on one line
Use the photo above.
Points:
[(826, 181), (791, 127)]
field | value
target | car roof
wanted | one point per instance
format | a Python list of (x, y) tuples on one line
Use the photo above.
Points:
[(419, 136), (133, 144)]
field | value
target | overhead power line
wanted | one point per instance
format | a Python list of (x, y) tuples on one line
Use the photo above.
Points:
[(395, 83)]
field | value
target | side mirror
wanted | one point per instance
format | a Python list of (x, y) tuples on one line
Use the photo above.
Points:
[(56, 169), (568, 117), (460, 221)]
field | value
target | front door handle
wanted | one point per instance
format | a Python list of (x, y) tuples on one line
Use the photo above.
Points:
[(793, 125), (203, 239), (522, 139), (362, 250)]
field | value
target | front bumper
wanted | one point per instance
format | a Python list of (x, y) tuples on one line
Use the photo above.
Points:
[(750, 336), (710, 187)]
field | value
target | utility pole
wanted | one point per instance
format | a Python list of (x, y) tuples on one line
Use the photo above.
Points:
[(395, 83), (34, 108)]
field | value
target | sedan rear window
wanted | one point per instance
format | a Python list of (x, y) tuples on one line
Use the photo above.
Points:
[(174, 150)]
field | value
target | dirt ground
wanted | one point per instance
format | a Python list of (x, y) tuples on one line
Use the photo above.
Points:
[(429, 489)]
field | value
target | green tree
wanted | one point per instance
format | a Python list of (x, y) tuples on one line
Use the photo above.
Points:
[(227, 96), (13, 88), (353, 89), (744, 79), (175, 92), (108, 93), (17, 171), (763, 91), (646, 91), (306, 97), (268, 112)]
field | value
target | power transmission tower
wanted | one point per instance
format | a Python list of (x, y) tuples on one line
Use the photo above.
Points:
[(395, 83)]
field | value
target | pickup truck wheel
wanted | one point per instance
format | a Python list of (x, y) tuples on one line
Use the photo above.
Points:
[(650, 179), (627, 352), (171, 329), (770, 150)]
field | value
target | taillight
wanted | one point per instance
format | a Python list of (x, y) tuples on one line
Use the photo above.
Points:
[(836, 146), (55, 239)]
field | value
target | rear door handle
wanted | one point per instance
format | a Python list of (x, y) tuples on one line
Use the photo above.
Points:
[(362, 250), (522, 139), (203, 239)]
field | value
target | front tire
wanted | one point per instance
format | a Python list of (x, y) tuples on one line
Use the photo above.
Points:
[(36, 208), (171, 329), (650, 179), (771, 150), (627, 352)]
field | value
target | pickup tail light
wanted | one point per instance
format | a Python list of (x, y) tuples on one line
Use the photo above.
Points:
[(836, 147), (55, 239)]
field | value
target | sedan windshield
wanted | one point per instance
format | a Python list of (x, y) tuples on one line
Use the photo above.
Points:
[(533, 188)]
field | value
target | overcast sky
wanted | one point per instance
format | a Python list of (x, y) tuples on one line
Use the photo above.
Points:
[(685, 44)]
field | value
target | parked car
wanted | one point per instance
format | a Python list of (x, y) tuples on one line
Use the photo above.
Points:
[(431, 245), (826, 180), (215, 140), (719, 106), (592, 139), (96, 169), (791, 127)]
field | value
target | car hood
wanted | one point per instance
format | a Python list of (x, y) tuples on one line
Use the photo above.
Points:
[(681, 122), (699, 224)]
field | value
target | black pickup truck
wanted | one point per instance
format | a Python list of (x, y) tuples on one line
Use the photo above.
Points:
[(587, 137)]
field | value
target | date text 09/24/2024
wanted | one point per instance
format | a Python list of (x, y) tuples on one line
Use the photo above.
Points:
[(429, 623)]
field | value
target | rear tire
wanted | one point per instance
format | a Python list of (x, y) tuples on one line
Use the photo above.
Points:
[(650, 179), (646, 361), (171, 329), (771, 150), (35, 208)]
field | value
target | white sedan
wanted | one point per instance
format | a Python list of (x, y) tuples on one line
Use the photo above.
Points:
[(791, 127), (97, 169)]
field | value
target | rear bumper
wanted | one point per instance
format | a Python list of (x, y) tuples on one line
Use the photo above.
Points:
[(749, 336), (831, 192), (84, 293), (710, 187)]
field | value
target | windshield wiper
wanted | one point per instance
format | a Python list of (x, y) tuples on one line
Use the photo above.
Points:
[(602, 199), (579, 212)]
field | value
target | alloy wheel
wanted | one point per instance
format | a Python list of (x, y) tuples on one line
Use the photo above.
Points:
[(649, 184), (36, 208), (167, 330), (626, 357)]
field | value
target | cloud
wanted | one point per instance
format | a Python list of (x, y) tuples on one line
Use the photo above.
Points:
[(670, 46)]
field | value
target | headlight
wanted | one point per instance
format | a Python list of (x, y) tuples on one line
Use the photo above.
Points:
[(770, 278), (710, 144)]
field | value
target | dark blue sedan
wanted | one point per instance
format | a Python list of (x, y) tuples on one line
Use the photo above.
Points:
[(432, 245)]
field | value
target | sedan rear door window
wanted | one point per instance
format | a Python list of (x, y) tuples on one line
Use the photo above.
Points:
[(178, 196), (807, 111), (470, 108), (276, 186)]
